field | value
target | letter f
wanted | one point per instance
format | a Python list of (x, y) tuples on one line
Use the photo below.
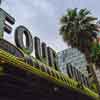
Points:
[(4, 27)]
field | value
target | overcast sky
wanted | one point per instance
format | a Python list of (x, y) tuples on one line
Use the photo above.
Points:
[(41, 17)]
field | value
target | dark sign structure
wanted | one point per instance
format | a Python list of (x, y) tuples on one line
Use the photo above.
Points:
[(5, 45), (20, 65), (19, 39), (3, 25), (77, 75), (37, 48), (42, 52)]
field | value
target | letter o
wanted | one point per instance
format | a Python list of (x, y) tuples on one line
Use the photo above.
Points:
[(20, 30)]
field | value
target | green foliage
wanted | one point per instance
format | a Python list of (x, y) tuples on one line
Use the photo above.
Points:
[(95, 51), (94, 88), (77, 28), (26, 51)]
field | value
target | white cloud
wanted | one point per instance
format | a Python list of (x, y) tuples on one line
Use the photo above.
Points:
[(39, 16)]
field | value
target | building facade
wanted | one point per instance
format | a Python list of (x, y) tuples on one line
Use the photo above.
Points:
[(74, 57)]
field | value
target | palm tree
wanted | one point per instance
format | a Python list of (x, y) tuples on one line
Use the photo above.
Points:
[(78, 29)]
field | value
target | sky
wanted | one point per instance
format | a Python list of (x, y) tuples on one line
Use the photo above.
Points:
[(42, 17)]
